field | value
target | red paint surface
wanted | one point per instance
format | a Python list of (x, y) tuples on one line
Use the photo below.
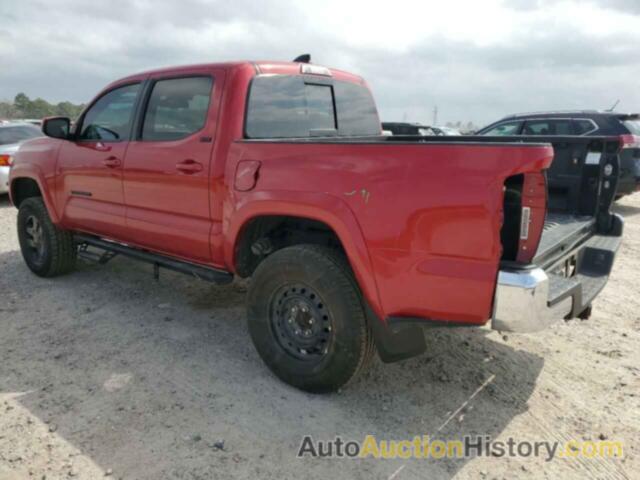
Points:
[(420, 222)]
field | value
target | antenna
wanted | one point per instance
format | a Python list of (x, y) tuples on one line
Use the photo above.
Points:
[(614, 106), (304, 58)]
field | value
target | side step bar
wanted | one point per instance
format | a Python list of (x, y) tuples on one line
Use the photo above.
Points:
[(199, 271)]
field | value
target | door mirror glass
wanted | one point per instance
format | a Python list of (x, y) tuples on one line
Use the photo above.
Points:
[(56, 127)]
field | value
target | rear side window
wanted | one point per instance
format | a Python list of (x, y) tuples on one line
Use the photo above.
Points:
[(584, 126), (109, 118), (633, 126), (547, 127), (288, 107), (177, 108), (509, 128)]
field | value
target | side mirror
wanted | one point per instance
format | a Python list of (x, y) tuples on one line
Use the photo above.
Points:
[(56, 127)]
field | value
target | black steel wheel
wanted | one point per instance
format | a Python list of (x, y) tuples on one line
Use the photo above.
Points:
[(301, 322), (306, 318)]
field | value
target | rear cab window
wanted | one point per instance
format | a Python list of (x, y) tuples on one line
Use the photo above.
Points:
[(299, 106)]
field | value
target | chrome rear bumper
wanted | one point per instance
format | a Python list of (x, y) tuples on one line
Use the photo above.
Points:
[(531, 299), (521, 302)]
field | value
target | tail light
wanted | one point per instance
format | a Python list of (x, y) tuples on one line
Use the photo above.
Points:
[(6, 160), (630, 141), (534, 209)]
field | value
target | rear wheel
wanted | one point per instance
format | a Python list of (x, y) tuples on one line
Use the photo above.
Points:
[(306, 318), (47, 250)]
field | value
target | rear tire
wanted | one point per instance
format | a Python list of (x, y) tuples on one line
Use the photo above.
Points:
[(307, 320), (47, 250)]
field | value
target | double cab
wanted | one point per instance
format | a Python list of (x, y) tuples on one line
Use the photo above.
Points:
[(353, 241)]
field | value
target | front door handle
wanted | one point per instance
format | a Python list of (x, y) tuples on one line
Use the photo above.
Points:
[(111, 162), (189, 167)]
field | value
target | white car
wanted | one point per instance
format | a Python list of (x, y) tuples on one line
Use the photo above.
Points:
[(11, 135), (449, 131)]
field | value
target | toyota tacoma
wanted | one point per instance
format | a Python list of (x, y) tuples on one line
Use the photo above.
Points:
[(354, 241)]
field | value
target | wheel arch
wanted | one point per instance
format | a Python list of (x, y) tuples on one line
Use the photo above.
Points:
[(23, 187), (326, 212)]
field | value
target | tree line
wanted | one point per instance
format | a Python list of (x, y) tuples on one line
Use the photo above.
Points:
[(23, 107)]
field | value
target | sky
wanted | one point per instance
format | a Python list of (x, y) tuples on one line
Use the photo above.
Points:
[(475, 60)]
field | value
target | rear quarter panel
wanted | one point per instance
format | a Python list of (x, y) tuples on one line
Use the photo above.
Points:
[(420, 223)]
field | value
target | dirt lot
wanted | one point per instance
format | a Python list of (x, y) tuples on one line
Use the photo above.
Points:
[(106, 371)]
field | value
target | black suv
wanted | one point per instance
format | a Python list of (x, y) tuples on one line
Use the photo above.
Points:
[(588, 123)]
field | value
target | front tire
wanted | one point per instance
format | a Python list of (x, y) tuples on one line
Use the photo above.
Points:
[(47, 250), (307, 320)]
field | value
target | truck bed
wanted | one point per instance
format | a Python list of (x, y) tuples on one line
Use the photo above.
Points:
[(561, 231)]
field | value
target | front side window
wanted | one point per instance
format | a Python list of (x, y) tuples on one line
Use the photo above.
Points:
[(504, 129), (177, 108), (109, 119), (282, 106)]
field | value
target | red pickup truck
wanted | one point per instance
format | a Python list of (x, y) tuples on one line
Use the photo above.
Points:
[(353, 241)]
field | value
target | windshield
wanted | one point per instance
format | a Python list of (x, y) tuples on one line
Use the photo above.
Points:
[(633, 126), (18, 133)]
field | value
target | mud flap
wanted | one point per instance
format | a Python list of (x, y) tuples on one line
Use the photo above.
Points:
[(396, 342)]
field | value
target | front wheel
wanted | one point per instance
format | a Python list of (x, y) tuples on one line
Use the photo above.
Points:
[(47, 250), (306, 318)]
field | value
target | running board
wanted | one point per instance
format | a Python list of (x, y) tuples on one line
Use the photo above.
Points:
[(199, 271)]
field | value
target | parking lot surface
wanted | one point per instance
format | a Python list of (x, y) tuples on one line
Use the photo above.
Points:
[(106, 371)]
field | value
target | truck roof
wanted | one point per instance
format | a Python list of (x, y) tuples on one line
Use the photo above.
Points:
[(260, 66)]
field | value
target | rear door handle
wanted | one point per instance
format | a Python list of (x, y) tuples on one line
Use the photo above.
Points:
[(189, 167), (111, 162)]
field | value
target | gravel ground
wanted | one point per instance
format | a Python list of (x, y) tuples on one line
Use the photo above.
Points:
[(108, 372)]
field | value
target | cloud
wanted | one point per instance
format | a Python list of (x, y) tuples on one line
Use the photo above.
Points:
[(474, 60), (629, 6)]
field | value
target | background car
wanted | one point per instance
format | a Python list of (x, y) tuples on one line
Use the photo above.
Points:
[(11, 135), (583, 122), (32, 121), (406, 128), (449, 131)]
